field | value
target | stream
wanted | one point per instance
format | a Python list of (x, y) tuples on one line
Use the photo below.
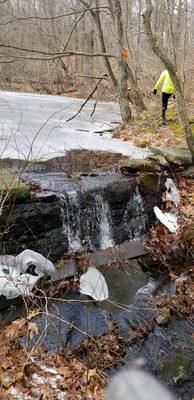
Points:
[(93, 214), (98, 216)]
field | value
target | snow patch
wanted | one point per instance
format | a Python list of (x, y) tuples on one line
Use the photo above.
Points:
[(167, 219), (93, 284), (172, 193)]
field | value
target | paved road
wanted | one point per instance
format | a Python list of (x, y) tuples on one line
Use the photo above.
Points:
[(35, 126)]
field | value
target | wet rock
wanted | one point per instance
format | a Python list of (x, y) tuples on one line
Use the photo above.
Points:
[(72, 214), (124, 279), (124, 251), (159, 350), (138, 314), (34, 223), (175, 368), (149, 183), (63, 270), (178, 156), (69, 321), (163, 316)]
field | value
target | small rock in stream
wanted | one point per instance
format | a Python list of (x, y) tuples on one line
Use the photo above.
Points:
[(163, 316)]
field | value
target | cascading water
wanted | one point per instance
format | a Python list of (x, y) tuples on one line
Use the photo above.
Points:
[(70, 213), (97, 226), (135, 216), (103, 208)]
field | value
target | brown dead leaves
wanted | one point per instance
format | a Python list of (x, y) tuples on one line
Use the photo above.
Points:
[(22, 327), (181, 303), (37, 375), (102, 352), (164, 246)]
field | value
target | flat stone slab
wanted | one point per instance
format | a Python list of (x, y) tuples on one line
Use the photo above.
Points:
[(35, 127), (125, 251)]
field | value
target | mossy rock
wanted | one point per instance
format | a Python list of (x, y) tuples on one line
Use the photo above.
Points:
[(175, 155), (159, 160), (133, 166), (148, 182), (175, 368), (12, 186)]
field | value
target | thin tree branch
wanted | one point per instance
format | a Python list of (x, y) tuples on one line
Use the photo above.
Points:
[(88, 98), (34, 17), (56, 55)]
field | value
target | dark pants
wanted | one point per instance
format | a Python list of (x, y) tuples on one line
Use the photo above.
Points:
[(165, 98)]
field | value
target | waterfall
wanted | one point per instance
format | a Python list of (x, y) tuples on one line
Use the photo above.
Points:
[(104, 216), (70, 212), (96, 231), (135, 216)]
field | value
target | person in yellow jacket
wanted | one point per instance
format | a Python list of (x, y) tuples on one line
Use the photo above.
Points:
[(167, 91)]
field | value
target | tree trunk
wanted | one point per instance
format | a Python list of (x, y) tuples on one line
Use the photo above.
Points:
[(123, 90), (182, 111), (125, 71)]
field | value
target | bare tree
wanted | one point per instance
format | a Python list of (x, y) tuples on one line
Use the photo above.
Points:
[(171, 66)]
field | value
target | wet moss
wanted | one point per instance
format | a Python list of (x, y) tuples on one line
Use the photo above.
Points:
[(148, 181), (175, 368), (12, 186)]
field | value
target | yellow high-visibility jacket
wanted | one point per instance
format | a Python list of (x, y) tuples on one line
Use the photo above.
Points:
[(166, 81)]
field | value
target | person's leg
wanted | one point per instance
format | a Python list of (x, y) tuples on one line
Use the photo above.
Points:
[(165, 98)]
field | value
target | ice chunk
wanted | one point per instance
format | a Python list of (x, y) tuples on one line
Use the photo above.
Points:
[(7, 260), (93, 284), (15, 278), (30, 258), (172, 193), (12, 288), (167, 219)]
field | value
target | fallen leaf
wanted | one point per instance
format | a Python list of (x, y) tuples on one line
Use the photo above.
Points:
[(32, 329), (15, 328), (33, 314)]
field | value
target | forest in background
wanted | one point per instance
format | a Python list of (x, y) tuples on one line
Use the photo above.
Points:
[(62, 46)]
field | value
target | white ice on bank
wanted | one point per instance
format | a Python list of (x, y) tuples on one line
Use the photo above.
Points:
[(167, 219), (15, 279), (30, 257), (172, 193), (93, 284), (35, 127)]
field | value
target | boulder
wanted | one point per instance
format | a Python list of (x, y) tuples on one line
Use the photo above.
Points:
[(149, 183), (179, 156)]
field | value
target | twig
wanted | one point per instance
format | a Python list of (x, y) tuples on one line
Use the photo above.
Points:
[(85, 102)]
